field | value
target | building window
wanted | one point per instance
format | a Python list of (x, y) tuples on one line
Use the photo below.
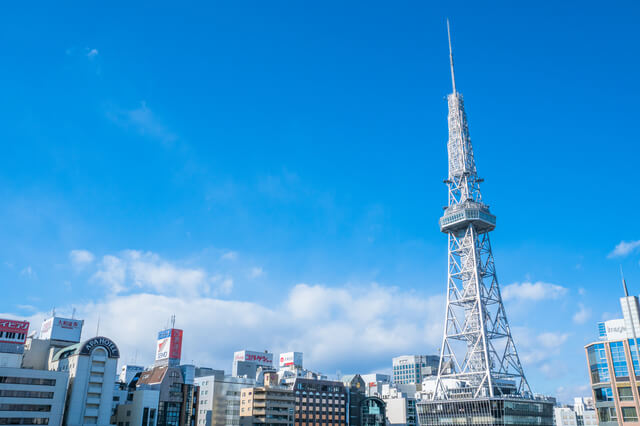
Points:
[(620, 368), (629, 414), (27, 381), (25, 394), (625, 393), (598, 363), (604, 394), (24, 420)]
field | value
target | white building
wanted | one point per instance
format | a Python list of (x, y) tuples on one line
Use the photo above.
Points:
[(401, 407), (374, 382), (219, 399), (246, 363), (141, 410), (92, 367), (564, 416), (34, 397), (128, 372)]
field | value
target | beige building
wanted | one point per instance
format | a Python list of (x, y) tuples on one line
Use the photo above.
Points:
[(269, 405)]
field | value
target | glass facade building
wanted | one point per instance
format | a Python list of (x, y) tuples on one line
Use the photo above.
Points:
[(613, 367)]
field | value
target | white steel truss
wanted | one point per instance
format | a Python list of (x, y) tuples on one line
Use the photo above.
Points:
[(477, 347)]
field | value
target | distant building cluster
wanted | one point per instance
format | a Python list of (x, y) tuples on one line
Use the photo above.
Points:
[(55, 378)]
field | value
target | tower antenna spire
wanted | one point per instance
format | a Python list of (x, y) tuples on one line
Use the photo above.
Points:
[(624, 283), (453, 76)]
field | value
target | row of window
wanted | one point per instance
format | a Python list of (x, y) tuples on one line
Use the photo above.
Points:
[(25, 407), (608, 414), (10, 335), (25, 394), (27, 381), (24, 420)]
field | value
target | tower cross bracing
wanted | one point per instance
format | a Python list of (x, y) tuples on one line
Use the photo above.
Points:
[(477, 347)]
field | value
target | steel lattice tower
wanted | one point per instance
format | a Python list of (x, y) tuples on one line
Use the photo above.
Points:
[(477, 347)]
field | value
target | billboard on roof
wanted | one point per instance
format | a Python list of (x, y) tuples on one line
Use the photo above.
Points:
[(12, 331), (169, 344), (66, 329)]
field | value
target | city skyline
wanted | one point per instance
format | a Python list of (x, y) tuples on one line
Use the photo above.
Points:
[(273, 177)]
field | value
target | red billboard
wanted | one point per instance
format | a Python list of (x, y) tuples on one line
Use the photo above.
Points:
[(12, 331), (175, 351)]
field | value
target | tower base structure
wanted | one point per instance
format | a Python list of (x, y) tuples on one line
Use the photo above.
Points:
[(490, 411)]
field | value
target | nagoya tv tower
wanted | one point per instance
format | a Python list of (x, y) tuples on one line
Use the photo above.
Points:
[(480, 375)]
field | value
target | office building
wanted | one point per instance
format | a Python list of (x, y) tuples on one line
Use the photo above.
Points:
[(246, 363), (271, 404), (400, 406), (320, 402), (219, 403), (92, 367), (613, 366), (27, 396), (140, 408), (413, 369), (362, 409), (177, 401), (374, 383)]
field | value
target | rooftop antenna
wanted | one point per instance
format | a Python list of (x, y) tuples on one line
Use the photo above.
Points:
[(73, 313), (453, 76), (173, 321), (53, 312), (624, 283), (98, 327)]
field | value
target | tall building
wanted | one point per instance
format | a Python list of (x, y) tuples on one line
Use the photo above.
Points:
[(480, 378), (363, 409), (268, 405), (92, 367), (413, 369), (613, 366), (219, 403)]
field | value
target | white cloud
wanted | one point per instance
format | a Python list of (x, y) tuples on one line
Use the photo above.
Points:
[(91, 53), (334, 327), (624, 248), (582, 315), (146, 270), (532, 291), (28, 272), (80, 258), (230, 255), (256, 272), (551, 340), (144, 121), (112, 272), (538, 349)]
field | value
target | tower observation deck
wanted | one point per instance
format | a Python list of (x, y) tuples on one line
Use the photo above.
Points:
[(480, 379)]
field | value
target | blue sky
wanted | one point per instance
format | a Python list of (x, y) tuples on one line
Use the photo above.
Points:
[(271, 172)]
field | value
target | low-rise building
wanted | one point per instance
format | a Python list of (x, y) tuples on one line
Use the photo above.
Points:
[(320, 403), (32, 397), (401, 407), (219, 402), (269, 405)]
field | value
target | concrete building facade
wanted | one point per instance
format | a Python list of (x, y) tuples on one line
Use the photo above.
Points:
[(268, 405), (320, 403), (32, 397), (219, 402)]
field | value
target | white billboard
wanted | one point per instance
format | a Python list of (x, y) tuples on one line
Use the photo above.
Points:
[(57, 328), (616, 329), (260, 358), (289, 359)]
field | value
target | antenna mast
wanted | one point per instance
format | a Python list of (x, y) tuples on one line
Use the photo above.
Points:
[(453, 76)]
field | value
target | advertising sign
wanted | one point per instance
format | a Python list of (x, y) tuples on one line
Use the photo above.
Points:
[(260, 358), (616, 329), (56, 328), (169, 344), (291, 359), (12, 331), (102, 342)]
